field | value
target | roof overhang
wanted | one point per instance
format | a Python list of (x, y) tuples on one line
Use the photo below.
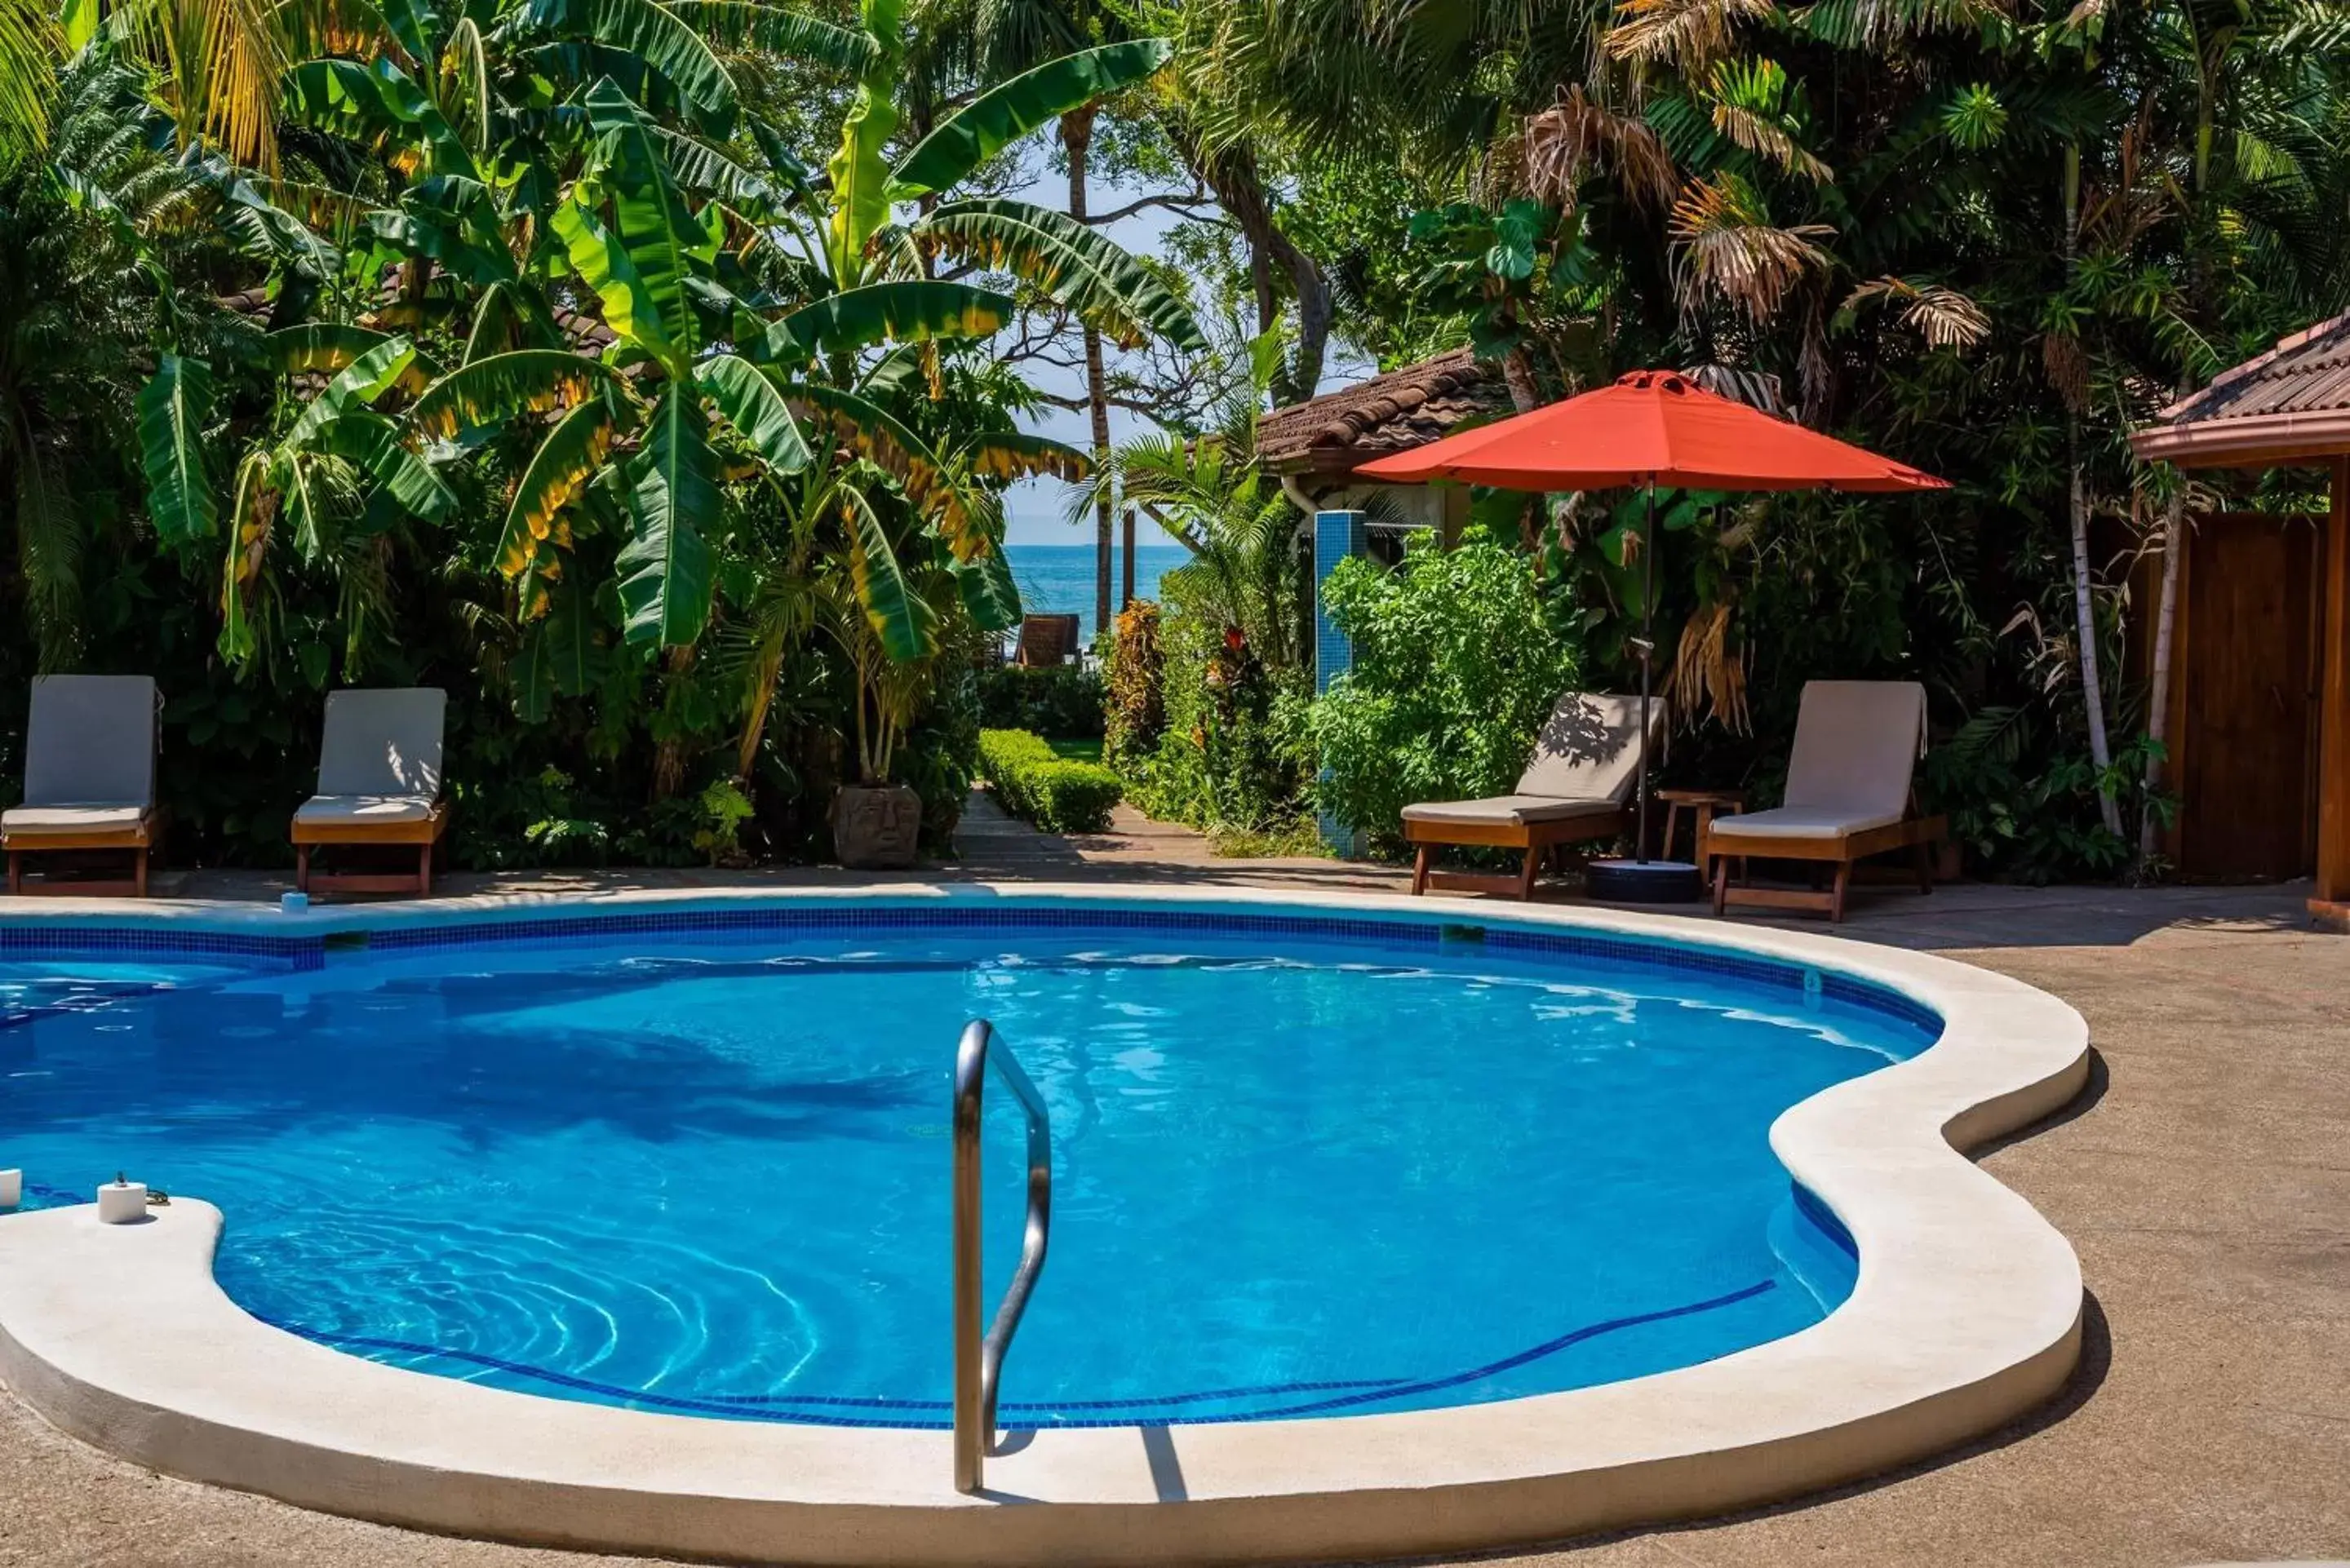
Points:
[(2254, 440)]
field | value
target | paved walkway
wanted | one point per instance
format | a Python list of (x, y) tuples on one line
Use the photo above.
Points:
[(2204, 1177)]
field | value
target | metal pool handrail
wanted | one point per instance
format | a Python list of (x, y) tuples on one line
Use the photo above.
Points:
[(978, 1363)]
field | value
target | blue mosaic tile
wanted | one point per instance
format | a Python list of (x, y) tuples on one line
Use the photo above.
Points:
[(56, 938)]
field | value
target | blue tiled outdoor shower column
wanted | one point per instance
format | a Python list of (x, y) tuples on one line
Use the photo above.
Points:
[(1337, 535)]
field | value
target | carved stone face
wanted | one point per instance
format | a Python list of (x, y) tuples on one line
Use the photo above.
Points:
[(876, 827)]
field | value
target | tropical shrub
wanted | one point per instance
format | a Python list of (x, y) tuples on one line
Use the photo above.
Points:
[(1459, 655), (1064, 701), (1232, 756), (1034, 783), (1134, 712)]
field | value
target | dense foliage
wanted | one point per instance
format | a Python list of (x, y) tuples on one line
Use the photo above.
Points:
[(1232, 755), (551, 361), (1459, 655), (1062, 701), (1987, 238), (1059, 795), (649, 373)]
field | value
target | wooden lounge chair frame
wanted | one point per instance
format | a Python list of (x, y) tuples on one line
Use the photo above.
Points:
[(1537, 840), (1917, 833), (140, 839), (425, 835), (1047, 641), (108, 793), (395, 764)]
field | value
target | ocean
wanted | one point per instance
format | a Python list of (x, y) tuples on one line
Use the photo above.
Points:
[(1058, 579)]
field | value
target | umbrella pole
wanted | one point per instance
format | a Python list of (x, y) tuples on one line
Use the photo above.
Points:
[(1647, 652)]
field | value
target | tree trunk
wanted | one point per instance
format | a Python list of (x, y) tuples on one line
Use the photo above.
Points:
[(1232, 173), (2092, 686), (668, 757), (1077, 137), (2158, 719), (2084, 612), (1518, 372)]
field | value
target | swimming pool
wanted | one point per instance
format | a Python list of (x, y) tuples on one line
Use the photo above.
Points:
[(1306, 1166)]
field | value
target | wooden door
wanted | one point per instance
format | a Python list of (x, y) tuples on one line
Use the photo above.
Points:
[(2247, 753)]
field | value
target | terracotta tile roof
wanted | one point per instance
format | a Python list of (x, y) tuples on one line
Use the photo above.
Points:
[(1394, 412), (2290, 404)]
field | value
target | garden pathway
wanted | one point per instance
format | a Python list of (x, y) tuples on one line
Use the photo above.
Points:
[(2204, 1177)]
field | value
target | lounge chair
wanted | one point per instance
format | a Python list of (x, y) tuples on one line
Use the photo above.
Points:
[(1585, 762), (378, 783), (1046, 642), (89, 778), (1848, 796)]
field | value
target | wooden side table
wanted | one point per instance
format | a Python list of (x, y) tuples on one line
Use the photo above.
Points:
[(1705, 805)]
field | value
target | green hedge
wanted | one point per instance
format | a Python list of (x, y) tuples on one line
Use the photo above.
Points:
[(1056, 794), (1064, 701)]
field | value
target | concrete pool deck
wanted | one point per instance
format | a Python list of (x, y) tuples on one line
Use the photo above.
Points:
[(2204, 1183)]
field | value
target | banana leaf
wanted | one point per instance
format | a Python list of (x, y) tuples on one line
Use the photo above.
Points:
[(645, 28), (1003, 115), (898, 616), (756, 409), (503, 387), (356, 384), (860, 176), (1065, 261), (171, 409), (603, 265), (576, 658), (989, 593), (329, 346), (660, 233), (570, 456), (674, 500), (913, 311), (1010, 454), (377, 104), (372, 441), (744, 27)]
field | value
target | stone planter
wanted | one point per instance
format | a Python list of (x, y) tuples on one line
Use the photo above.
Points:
[(874, 827)]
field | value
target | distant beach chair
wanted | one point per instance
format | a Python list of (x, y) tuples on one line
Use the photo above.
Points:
[(89, 778), (378, 783), (1848, 796), (1046, 642), (1585, 764)]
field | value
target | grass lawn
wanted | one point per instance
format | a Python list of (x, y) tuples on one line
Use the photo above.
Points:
[(1076, 751)]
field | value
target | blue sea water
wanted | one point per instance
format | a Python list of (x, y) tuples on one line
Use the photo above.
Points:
[(1058, 579), (708, 1172)]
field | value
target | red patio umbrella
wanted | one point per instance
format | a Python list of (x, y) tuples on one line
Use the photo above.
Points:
[(1651, 428)]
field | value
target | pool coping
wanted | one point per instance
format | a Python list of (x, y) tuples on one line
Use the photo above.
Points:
[(1966, 1314)]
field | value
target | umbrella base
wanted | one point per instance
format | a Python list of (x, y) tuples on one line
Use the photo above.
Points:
[(1643, 881)]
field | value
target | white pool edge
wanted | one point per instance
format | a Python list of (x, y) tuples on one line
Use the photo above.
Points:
[(1967, 1314)]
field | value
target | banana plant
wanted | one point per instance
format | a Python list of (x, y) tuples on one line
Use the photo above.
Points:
[(723, 394), (338, 476)]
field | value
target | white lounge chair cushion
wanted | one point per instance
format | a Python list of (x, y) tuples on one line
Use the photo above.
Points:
[(383, 742), (1855, 744), (365, 808), (1518, 809), (60, 820), (1589, 749), (1800, 821), (89, 743)]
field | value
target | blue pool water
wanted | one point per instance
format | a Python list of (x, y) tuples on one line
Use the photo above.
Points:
[(708, 1170)]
